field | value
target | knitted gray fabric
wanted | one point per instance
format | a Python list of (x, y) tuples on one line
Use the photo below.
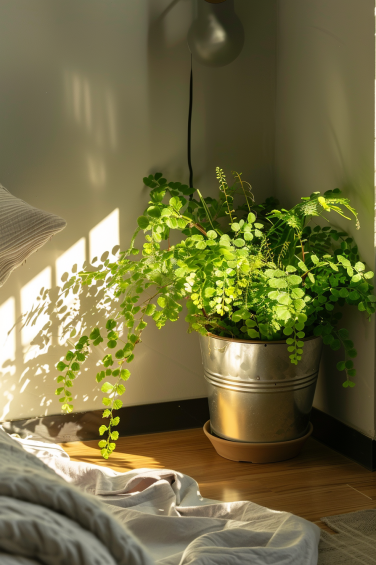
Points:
[(23, 230), (45, 520)]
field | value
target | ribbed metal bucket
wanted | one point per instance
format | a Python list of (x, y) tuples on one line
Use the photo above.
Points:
[(255, 393)]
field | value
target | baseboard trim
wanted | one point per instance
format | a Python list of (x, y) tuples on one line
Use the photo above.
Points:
[(182, 415), (134, 420), (344, 439)]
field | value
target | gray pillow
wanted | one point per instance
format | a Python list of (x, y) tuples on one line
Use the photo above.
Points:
[(23, 230)]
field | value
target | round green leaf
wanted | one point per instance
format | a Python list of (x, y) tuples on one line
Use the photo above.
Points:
[(253, 334), (248, 236), (110, 324), (201, 245), (95, 333), (154, 212), (107, 387), (273, 295), (283, 298), (278, 283), (150, 309), (354, 295), (294, 280), (343, 333), (125, 374), (299, 304), (328, 339), (143, 222), (297, 292), (162, 302), (236, 317)]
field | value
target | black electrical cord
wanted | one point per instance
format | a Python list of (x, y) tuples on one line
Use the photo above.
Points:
[(190, 130)]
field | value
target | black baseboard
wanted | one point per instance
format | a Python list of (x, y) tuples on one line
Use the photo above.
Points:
[(182, 415), (134, 420), (344, 439)]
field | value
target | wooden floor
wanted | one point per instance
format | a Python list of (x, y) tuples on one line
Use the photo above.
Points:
[(318, 483)]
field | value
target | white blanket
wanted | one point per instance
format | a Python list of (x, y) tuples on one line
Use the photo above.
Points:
[(165, 512)]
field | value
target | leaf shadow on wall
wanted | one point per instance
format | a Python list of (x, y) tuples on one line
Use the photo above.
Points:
[(67, 310)]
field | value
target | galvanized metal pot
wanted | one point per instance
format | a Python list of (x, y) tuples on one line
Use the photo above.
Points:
[(255, 393)]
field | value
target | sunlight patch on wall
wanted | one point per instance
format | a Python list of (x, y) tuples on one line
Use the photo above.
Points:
[(7, 342), (24, 385), (96, 170), (69, 263), (29, 294), (91, 106), (111, 119), (74, 257), (105, 235)]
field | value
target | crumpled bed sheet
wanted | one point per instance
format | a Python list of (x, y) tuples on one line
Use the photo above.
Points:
[(55, 511)]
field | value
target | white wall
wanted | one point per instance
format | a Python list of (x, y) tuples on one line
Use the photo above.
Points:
[(94, 95), (325, 139)]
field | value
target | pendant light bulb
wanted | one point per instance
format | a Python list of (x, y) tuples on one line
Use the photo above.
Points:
[(216, 36)]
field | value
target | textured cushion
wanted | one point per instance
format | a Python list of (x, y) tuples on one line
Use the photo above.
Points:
[(23, 230)]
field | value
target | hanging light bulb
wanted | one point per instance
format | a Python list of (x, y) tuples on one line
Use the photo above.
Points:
[(216, 36)]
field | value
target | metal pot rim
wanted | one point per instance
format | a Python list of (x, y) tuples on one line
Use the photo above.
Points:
[(255, 341)]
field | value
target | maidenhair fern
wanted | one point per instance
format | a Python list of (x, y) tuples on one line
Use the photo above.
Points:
[(246, 271)]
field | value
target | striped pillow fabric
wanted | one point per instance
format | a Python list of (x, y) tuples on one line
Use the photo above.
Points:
[(23, 230)]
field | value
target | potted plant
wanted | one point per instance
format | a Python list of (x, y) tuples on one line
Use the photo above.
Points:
[(263, 288)]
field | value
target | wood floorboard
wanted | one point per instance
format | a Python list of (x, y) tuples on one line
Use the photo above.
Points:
[(318, 483)]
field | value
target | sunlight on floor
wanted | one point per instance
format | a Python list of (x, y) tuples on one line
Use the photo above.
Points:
[(88, 452)]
